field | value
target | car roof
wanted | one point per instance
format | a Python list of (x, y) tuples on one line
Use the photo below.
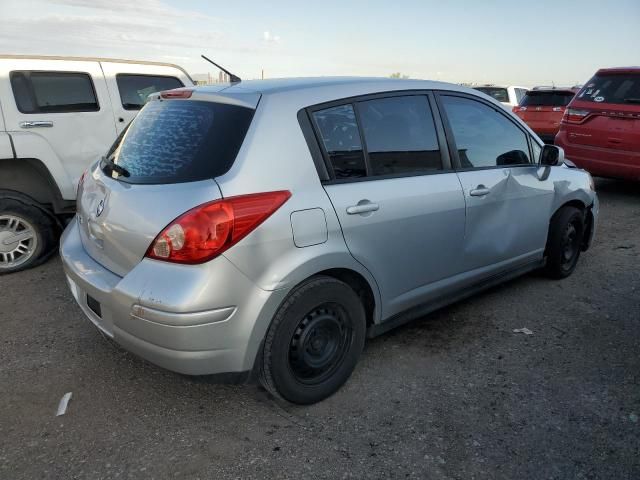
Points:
[(619, 70), (92, 59), (281, 85), (493, 85), (304, 92), (571, 90)]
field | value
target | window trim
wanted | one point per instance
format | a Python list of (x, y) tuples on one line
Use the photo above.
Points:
[(27, 74), (453, 149), (118, 75), (353, 101)]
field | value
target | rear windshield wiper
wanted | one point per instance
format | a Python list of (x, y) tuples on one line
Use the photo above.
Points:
[(120, 170), (632, 100)]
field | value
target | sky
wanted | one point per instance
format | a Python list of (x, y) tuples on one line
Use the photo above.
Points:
[(527, 43)]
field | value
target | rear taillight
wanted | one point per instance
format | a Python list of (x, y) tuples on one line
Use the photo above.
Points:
[(206, 231), (573, 115), (176, 94)]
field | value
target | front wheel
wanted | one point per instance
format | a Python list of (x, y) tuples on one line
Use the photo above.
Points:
[(564, 243), (314, 341)]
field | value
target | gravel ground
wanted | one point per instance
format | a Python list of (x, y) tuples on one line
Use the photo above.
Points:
[(457, 394)]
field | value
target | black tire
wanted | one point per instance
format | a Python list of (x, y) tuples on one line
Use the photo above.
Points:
[(44, 240), (313, 342), (564, 243)]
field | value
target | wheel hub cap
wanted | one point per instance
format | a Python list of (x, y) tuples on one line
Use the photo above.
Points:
[(318, 344), (18, 241)]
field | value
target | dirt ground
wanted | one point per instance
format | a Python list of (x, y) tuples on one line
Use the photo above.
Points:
[(456, 395)]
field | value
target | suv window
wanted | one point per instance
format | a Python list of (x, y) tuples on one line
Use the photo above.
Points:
[(400, 135), (484, 137), (341, 140), (520, 93), (500, 94), (174, 141), (134, 89), (539, 98), (53, 92), (612, 88)]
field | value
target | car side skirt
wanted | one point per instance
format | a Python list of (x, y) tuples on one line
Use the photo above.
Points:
[(426, 308)]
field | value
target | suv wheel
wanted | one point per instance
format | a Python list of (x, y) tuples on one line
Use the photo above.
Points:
[(314, 341), (564, 243), (26, 235)]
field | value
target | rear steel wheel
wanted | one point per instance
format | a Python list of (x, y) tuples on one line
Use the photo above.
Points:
[(314, 341), (319, 344)]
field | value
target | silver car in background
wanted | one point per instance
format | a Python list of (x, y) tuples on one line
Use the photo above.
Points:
[(268, 227)]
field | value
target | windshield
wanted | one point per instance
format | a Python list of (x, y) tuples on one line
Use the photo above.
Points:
[(546, 99), (173, 141), (500, 94), (612, 88)]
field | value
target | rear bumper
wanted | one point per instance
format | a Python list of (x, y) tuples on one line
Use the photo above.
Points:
[(195, 320), (603, 162)]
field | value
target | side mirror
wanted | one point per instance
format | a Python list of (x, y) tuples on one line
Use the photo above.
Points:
[(551, 156)]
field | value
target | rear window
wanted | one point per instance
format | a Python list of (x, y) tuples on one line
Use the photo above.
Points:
[(546, 99), (134, 89), (341, 139), (500, 94), (623, 88), (174, 141)]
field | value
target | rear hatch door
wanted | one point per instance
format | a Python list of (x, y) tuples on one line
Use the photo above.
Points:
[(163, 165), (611, 103), (544, 108)]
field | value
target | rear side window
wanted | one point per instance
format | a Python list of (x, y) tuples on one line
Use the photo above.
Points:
[(623, 88), (484, 138), (537, 98), (338, 129), (134, 89), (400, 135), (500, 94), (174, 141), (520, 93), (53, 92)]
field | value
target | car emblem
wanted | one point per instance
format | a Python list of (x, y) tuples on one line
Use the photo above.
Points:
[(538, 108), (100, 208)]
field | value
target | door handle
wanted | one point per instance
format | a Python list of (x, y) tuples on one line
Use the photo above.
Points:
[(479, 191), (362, 207), (36, 124)]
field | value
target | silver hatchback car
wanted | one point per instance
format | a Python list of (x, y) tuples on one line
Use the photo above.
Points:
[(268, 227)]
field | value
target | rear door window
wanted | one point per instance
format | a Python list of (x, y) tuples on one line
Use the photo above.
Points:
[(340, 137), (53, 92), (484, 137), (400, 135), (134, 89), (536, 98), (608, 88), (173, 141)]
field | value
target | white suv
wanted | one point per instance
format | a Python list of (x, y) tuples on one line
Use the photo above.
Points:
[(57, 116), (510, 96)]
